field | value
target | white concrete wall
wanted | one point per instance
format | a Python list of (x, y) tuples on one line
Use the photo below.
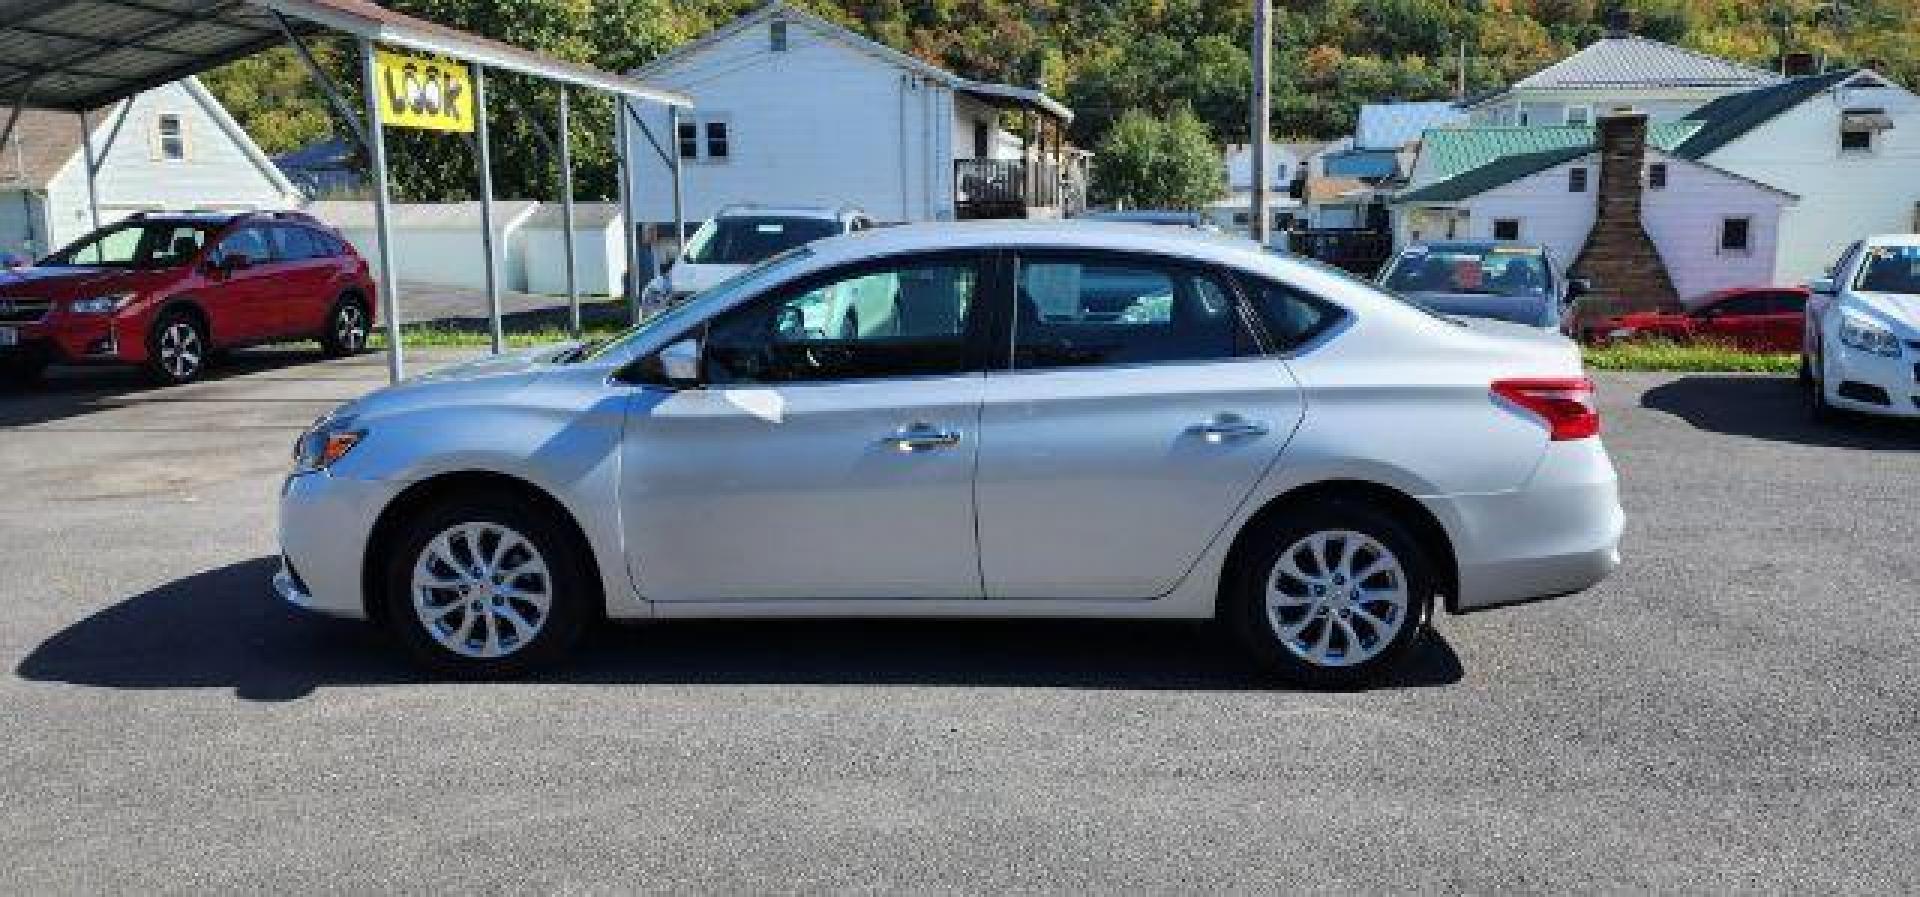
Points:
[(821, 123), (220, 170), (597, 254), (1844, 196), (450, 256), (23, 226), (1684, 221)]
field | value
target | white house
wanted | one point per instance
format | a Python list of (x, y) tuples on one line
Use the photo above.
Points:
[(790, 109), (172, 147), (1762, 186), (1662, 80), (1286, 163)]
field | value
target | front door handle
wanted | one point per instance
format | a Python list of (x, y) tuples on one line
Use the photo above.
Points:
[(921, 436), (1228, 426)]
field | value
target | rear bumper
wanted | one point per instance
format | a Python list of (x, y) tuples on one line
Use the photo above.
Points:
[(1557, 536)]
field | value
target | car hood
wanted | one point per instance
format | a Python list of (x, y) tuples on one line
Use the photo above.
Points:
[(75, 283), (691, 278), (1533, 311), (1900, 308), (484, 379)]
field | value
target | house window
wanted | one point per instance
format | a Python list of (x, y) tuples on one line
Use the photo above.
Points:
[(1506, 228), (689, 139), (1856, 140), (1579, 115), (170, 137), (1657, 176), (1577, 179), (717, 140), (777, 35), (1858, 127), (1736, 235)]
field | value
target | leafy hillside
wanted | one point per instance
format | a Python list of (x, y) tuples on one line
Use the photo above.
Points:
[(1102, 57)]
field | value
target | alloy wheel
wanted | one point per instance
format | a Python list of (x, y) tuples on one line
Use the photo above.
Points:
[(481, 590), (1337, 598), (350, 327), (180, 349)]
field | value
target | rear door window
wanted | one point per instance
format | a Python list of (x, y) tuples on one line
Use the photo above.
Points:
[(1078, 311)]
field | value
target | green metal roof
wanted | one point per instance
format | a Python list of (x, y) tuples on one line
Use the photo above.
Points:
[(1731, 116)]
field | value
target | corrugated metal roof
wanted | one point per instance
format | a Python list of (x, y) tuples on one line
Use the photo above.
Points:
[(1452, 151), (1729, 117), (1633, 61), (1388, 126), (1371, 164), (84, 54)]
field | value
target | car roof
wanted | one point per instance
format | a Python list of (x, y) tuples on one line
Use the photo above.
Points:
[(1473, 245), (1152, 239), (1894, 240), (1151, 216), (826, 213)]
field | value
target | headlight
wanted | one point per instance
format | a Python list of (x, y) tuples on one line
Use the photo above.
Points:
[(327, 441), (1620, 332), (1866, 336), (100, 305)]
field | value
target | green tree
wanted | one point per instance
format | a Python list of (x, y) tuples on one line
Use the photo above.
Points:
[(1161, 163)]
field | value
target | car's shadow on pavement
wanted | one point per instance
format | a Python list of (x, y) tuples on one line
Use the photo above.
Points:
[(68, 392), (1771, 408), (224, 629)]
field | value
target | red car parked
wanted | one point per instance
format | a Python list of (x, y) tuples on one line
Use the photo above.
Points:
[(164, 289), (1759, 319)]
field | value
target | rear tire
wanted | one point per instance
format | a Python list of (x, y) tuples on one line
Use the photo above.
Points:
[(177, 349), (486, 587), (1334, 596), (347, 329)]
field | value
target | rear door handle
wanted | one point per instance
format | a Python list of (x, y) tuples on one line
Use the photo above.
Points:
[(922, 436), (1228, 426)]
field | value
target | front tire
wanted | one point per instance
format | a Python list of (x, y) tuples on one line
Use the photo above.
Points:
[(487, 587), (1819, 410), (348, 326), (1334, 596), (177, 349)]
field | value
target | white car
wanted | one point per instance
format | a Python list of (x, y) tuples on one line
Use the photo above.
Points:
[(739, 237), (1030, 420), (1862, 339)]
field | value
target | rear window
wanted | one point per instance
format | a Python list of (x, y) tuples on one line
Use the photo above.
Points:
[(750, 239), (1490, 271)]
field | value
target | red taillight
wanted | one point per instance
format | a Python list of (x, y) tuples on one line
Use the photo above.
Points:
[(1565, 403)]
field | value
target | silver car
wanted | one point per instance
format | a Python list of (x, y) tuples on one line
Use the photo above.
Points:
[(1040, 420)]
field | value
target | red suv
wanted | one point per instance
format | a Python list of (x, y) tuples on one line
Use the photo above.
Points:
[(1758, 319), (163, 289)]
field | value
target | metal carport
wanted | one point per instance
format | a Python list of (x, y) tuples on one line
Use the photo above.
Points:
[(82, 55)]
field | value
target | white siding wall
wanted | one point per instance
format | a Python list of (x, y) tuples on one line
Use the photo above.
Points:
[(217, 173), (1551, 108), (1549, 215), (1001, 143), (1843, 196), (1684, 221), (597, 259), (1239, 163), (820, 123)]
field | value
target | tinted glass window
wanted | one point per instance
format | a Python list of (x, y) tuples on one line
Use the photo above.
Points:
[(1745, 305), (1786, 303), (1891, 269), (1290, 316), (891, 322), (292, 244), (1492, 271), (746, 239), (1071, 313), (251, 242), (146, 245)]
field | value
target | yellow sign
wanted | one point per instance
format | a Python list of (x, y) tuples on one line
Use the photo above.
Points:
[(433, 93)]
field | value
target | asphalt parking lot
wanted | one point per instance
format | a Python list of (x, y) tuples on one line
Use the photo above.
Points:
[(1737, 708)]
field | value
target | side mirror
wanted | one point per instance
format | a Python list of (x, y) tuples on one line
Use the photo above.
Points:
[(1823, 286), (676, 367)]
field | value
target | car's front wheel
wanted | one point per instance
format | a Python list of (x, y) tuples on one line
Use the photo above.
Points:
[(177, 349), (487, 587), (1335, 596)]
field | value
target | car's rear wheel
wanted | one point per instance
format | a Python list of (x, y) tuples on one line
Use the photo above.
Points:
[(177, 348), (348, 327), (486, 587), (1335, 596)]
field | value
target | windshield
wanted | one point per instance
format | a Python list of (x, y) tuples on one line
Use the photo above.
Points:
[(691, 309), (746, 239), (1490, 271), (1891, 269), (141, 245)]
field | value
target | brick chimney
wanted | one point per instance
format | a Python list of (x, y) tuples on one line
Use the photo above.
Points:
[(1619, 258)]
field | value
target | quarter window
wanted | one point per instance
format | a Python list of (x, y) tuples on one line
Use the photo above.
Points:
[(894, 321), (1073, 313), (251, 242)]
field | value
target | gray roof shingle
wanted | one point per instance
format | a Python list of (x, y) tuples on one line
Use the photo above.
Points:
[(1640, 62)]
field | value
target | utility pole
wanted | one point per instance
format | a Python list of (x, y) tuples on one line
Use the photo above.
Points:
[(1460, 75), (1262, 109)]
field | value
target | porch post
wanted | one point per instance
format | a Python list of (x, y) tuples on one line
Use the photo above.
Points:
[(631, 285), (382, 214)]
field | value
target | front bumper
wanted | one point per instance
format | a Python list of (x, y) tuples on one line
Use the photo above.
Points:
[(324, 522), (1558, 535), (1875, 384), (73, 339)]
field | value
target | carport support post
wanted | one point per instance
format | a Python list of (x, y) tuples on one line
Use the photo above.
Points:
[(86, 146), (679, 210), (382, 213), (631, 283), (566, 217), (487, 243)]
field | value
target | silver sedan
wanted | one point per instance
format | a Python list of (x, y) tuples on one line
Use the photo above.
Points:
[(979, 420)]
